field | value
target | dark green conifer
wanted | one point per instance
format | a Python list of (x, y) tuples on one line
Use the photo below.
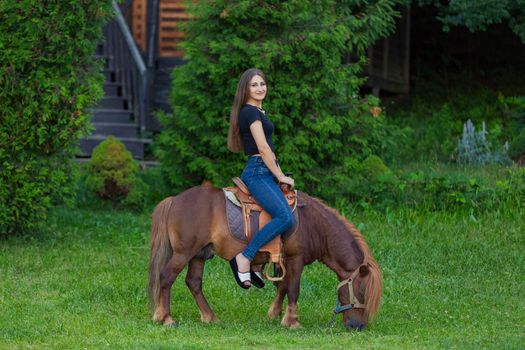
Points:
[(322, 124)]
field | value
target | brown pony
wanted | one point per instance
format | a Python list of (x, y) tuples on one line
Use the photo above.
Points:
[(191, 227)]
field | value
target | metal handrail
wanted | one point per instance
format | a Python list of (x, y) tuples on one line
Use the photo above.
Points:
[(129, 38), (125, 58)]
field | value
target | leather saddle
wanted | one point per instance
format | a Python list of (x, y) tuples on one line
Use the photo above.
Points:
[(249, 205)]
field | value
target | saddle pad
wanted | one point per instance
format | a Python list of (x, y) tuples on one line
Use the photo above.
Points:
[(235, 224)]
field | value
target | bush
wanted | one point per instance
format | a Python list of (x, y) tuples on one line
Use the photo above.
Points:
[(322, 124), (433, 117), (514, 111), (48, 80), (372, 184), (475, 147), (113, 174), (152, 188), (514, 186), (156, 182), (452, 191), (451, 188), (443, 191), (517, 148)]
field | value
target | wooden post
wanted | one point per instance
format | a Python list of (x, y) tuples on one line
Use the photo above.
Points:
[(138, 23)]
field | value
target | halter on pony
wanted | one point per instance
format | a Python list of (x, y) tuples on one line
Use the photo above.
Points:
[(353, 301)]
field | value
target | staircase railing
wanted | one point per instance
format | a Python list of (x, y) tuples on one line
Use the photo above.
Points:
[(129, 66)]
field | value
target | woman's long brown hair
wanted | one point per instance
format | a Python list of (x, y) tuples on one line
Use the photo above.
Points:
[(241, 96)]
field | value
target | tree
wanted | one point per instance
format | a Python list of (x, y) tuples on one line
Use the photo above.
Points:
[(47, 80), (479, 14), (323, 126)]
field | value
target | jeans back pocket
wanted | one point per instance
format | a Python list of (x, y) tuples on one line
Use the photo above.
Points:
[(261, 170)]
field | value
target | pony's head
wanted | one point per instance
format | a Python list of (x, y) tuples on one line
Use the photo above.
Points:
[(359, 296), (347, 254)]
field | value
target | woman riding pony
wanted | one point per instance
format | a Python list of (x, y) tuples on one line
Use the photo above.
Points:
[(251, 131)]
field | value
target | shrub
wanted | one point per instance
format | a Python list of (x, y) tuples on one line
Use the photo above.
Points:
[(373, 183), (112, 174), (321, 122), (475, 148), (433, 117), (442, 191), (514, 111), (451, 189), (430, 131), (158, 187), (515, 185), (48, 79), (374, 168), (517, 148)]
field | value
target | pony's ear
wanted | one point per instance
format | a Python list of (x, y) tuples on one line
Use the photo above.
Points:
[(363, 270)]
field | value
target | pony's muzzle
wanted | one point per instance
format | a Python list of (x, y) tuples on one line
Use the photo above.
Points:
[(355, 325)]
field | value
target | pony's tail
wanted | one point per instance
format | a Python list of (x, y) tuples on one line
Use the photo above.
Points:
[(160, 250)]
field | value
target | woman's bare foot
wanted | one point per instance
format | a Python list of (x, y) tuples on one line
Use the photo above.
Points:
[(243, 263)]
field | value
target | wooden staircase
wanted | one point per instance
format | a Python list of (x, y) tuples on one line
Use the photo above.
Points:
[(113, 116), (136, 90), (122, 111)]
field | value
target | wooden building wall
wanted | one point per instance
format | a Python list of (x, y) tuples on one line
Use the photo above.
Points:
[(139, 23), (389, 59), (171, 15), (169, 34)]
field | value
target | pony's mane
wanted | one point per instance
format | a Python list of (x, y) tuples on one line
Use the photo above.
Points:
[(374, 284)]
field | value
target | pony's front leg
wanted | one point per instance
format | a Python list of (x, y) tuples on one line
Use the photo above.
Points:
[(295, 269), (276, 309), (194, 283)]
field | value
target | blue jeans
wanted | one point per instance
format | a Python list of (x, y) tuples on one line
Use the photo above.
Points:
[(264, 188)]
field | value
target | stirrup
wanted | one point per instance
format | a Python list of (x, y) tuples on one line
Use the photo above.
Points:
[(277, 278)]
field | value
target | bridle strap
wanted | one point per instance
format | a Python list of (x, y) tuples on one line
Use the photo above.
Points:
[(354, 303)]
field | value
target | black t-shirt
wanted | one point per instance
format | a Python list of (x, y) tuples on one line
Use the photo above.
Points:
[(247, 116)]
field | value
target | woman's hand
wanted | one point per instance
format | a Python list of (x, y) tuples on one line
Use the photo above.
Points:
[(287, 180)]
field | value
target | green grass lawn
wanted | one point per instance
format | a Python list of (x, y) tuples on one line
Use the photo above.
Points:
[(450, 281)]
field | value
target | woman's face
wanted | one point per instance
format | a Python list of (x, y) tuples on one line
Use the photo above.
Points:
[(256, 89)]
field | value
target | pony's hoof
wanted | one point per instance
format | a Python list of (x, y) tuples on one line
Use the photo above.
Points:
[(212, 319), (273, 314), (170, 322), (291, 324), (171, 325)]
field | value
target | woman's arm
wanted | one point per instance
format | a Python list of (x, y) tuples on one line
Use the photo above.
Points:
[(267, 154)]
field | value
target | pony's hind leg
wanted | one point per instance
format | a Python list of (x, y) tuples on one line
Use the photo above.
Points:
[(194, 283), (168, 275)]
